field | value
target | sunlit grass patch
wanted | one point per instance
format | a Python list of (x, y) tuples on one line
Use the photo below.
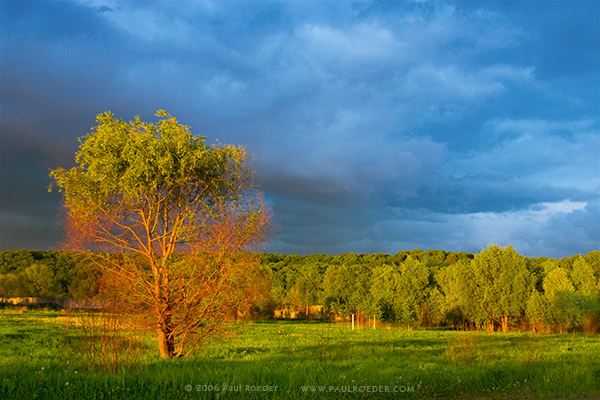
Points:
[(40, 357)]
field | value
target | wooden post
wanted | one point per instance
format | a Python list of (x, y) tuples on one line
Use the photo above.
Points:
[(352, 321), (373, 322)]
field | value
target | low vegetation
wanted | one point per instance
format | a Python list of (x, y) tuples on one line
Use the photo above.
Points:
[(43, 355)]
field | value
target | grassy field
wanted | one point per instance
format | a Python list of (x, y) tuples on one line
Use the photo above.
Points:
[(43, 356)]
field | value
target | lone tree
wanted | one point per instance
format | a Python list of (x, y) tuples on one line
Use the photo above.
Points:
[(168, 217)]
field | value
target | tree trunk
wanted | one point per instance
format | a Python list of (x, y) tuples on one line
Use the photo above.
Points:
[(165, 331), (166, 344), (505, 323)]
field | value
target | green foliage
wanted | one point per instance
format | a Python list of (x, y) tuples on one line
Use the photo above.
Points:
[(571, 294), (384, 288), (30, 273), (156, 191), (561, 299), (412, 291), (503, 285), (433, 310), (434, 259), (40, 279), (545, 294), (85, 283), (456, 283), (593, 258), (557, 281), (17, 260), (129, 173), (583, 277), (345, 287), (538, 309), (14, 285), (307, 285)]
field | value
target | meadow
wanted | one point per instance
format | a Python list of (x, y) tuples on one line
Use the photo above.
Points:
[(43, 355)]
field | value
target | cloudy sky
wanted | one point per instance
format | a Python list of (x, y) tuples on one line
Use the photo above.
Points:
[(375, 126)]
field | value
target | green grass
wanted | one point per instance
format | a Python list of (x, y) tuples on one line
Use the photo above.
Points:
[(42, 358)]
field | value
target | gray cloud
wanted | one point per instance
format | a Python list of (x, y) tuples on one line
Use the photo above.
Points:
[(374, 127)]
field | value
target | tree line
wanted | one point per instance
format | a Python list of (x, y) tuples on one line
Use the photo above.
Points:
[(497, 288), (47, 274)]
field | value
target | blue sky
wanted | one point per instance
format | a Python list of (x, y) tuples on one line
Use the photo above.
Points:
[(375, 126)]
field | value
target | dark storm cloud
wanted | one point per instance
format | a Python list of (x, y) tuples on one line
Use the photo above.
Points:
[(375, 126)]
